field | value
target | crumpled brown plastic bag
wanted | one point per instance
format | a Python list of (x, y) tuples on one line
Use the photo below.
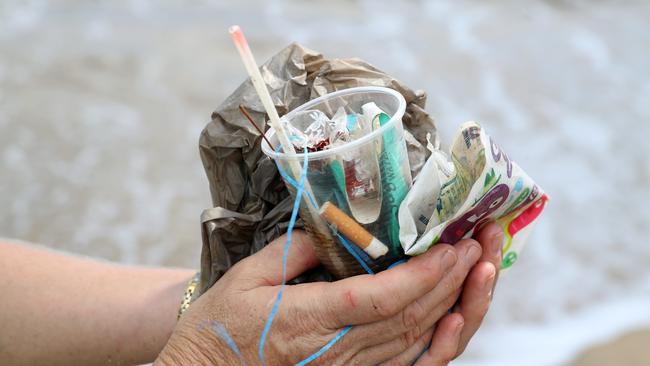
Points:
[(251, 203)]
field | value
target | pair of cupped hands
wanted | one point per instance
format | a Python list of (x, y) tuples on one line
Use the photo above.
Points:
[(400, 316)]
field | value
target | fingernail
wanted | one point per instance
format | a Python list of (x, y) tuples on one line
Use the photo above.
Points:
[(489, 281), (459, 325), (497, 242), (449, 259), (474, 251)]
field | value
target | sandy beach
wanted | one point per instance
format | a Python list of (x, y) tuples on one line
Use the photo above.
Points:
[(101, 107), (630, 349)]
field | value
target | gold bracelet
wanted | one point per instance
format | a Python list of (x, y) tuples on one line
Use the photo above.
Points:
[(189, 293)]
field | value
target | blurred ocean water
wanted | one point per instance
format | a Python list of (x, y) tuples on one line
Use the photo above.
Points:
[(101, 106)]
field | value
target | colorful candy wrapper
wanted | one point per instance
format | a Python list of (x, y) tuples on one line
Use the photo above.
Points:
[(449, 201)]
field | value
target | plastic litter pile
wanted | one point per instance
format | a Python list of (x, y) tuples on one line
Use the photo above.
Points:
[(404, 198), (455, 192), (355, 182)]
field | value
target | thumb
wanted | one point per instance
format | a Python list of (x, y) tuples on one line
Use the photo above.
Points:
[(264, 268)]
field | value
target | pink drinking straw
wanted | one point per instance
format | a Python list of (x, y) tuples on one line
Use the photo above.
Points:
[(260, 87)]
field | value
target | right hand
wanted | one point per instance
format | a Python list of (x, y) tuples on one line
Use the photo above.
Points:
[(393, 312)]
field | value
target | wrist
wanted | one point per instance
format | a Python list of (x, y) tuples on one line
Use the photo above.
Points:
[(190, 294), (186, 349), (153, 295)]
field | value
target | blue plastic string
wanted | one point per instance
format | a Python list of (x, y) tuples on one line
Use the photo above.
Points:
[(287, 245), (354, 253), (325, 347), (291, 181), (296, 205), (222, 333), (397, 263), (352, 250)]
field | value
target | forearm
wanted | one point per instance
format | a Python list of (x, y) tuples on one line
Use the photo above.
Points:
[(60, 309)]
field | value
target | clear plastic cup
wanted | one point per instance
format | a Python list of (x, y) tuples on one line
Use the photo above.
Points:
[(367, 178)]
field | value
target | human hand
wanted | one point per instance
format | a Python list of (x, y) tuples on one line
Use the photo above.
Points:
[(474, 301), (393, 312)]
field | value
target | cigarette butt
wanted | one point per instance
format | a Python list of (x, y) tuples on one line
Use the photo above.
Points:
[(353, 231)]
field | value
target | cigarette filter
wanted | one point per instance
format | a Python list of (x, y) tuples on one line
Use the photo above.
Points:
[(353, 231)]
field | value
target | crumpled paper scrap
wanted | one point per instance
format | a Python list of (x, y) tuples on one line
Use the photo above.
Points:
[(453, 197)]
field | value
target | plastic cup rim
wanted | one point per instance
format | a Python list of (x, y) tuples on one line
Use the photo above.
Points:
[(401, 108)]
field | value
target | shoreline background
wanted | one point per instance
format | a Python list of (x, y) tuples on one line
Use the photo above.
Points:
[(101, 106)]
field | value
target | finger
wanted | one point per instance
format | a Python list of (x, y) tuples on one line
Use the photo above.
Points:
[(368, 298), (444, 343), (393, 352), (475, 301), (491, 239), (453, 284), (424, 312), (264, 268)]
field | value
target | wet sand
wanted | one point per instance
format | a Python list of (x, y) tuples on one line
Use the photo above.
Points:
[(631, 349)]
